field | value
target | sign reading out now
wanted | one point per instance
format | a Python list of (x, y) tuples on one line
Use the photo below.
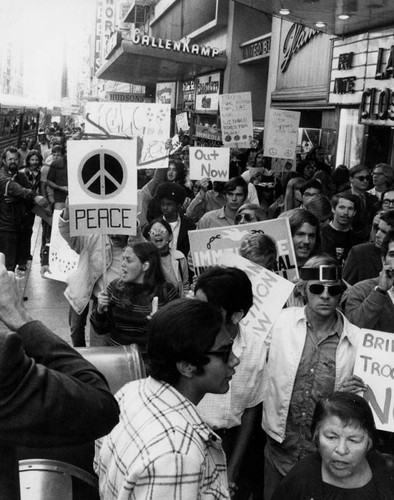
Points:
[(209, 162)]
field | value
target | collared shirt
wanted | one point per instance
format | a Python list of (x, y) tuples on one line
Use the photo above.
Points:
[(223, 411), (315, 379), (161, 448), (215, 218)]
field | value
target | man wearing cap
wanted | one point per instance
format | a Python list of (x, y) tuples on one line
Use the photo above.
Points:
[(312, 353), (171, 197), (236, 192)]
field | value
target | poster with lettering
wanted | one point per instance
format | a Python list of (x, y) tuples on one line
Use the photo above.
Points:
[(280, 136), (149, 123), (270, 293), (375, 365), (209, 162), (236, 119), (207, 245), (182, 123), (102, 181), (207, 92), (62, 259)]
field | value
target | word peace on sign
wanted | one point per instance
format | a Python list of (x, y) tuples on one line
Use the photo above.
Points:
[(102, 174)]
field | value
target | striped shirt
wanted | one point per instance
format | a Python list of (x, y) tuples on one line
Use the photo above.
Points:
[(161, 449)]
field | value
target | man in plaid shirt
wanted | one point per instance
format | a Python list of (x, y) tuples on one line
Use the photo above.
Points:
[(161, 447)]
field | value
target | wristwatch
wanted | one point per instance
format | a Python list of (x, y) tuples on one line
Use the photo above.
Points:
[(380, 290)]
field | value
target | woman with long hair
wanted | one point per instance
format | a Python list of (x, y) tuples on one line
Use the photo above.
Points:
[(123, 311)]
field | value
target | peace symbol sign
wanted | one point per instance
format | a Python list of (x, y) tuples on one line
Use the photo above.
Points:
[(102, 174)]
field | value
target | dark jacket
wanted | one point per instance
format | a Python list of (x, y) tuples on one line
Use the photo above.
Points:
[(363, 262)]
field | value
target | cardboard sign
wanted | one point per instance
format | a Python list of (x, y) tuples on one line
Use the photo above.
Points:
[(207, 245), (102, 187), (182, 122), (375, 365), (280, 136), (270, 293), (148, 122), (236, 119), (209, 162), (62, 259)]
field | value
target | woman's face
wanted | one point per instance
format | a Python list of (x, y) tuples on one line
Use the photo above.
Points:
[(34, 162), (171, 173), (159, 236), (132, 270), (343, 448)]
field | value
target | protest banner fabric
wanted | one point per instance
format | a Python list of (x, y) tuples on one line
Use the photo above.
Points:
[(236, 119), (209, 162), (207, 245), (375, 365), (280, 136)]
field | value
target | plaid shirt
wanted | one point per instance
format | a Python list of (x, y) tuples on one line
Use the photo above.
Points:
[(161, 449)]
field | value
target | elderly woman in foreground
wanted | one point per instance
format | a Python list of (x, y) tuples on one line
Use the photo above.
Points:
[(345, 465)]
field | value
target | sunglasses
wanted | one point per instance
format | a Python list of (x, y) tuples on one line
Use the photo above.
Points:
[(333, 290), (223, 353), (363, 178), (246, 217)]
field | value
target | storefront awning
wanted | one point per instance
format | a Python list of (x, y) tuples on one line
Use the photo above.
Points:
[(144, 64)]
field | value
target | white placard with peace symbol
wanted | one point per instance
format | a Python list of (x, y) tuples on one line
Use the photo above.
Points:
[(102, 180)]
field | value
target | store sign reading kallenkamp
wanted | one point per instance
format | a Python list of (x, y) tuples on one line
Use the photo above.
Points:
[(185, 46)]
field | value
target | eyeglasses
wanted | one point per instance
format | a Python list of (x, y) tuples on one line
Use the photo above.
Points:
[(223, 353), (333, 290), (157, 232), (247, 217), (388, 203), (363, 178)]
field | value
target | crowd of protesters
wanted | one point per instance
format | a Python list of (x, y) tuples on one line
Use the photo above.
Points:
[(285, 408)]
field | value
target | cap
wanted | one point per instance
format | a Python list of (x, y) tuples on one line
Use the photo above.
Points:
[(172, 191)]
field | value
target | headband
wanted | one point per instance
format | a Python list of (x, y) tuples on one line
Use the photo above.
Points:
[(321, 273)]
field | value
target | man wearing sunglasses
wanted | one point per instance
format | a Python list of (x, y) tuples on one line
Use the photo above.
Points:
[(311, 354), (233, 415), (369, 303), (368, 204), (161, 447)]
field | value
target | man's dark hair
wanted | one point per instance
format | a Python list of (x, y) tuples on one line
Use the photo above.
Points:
[(346, 196), (386, 243), (228, 288), (183, 330), (300, 216), (356, 169), (388, 217), (312, 183), (234, 182), (34, 152), (10, 149)]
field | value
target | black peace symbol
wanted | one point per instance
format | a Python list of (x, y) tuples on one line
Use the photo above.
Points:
[(102, 174)]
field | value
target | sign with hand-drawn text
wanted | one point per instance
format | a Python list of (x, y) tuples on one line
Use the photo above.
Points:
[(102, 187), (236, 119), (270, 292), (207, 245), (62, 259), (209, 162), (280, 136), (375, 366), (182, 122), (149, 123)]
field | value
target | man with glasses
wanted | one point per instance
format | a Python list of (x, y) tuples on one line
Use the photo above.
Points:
[(234, 415), (312, 352), (368, 204), (369, 303), (161, 447), (364, 261)]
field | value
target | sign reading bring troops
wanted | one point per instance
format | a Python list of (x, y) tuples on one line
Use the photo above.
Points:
[(102, 186)]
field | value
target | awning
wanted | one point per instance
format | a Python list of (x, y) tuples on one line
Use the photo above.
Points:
[(143, 64)]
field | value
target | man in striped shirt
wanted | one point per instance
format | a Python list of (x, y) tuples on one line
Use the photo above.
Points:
[(161, 447)]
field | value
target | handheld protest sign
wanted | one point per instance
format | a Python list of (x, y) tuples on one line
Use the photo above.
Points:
[(207, 245), (236, 119), (102, 187), (209, 162), (375, 366), (281, 134)]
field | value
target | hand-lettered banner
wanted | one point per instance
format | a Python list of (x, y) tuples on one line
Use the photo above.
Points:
[(149, 123), (270, 292), (209, 162), (62, 259), (375, 365), (207, 245), (280, 136), (236, 119)]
